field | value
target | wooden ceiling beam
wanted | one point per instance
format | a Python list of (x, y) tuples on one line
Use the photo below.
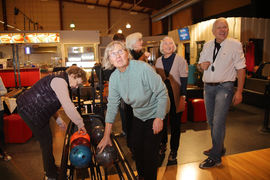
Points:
[(100, 5)]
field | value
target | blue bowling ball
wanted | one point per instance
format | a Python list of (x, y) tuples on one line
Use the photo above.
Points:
[(80, 156)]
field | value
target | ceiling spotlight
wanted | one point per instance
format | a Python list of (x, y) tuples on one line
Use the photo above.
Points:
[(133, 13), (128, 26), (91, 7), (72, 25), (120, 31)]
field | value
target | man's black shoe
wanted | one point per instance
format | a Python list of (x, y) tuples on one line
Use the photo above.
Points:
[(207, 152), (172, 159), (209, 163), (174, 162)]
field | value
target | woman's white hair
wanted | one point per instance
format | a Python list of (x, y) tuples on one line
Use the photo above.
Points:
[(162, 42), (106, 61), (132, 39)]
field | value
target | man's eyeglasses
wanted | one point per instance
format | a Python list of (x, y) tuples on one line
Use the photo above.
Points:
[(114, 54)]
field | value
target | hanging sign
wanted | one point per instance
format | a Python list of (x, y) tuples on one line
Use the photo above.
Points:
[(8, 38), (183, 34)]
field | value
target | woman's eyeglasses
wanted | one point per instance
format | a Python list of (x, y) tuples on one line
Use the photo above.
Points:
[(114, 54)]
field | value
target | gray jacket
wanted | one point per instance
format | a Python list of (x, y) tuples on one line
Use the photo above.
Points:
[(3, 91)]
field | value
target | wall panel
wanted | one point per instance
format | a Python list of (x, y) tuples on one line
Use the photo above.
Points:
[(47, 14), (257, 28), (156, 28), (84, 18), (212, 7), (182, 18), (139, 22)]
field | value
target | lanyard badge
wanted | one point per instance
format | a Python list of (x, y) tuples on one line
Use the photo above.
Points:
[(215, 53)]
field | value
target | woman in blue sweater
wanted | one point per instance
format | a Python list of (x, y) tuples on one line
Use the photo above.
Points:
[(140, 86)]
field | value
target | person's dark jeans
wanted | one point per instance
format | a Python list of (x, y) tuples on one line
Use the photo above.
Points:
[(129, 119), (2, 135), (175, 126), (217, 102), (122, 110), (146, 148), (175, 123), (44, 136)]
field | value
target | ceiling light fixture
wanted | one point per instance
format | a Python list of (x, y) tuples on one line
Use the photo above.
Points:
[(133, 13), (72, 25), (91, 7), (120, 31), (128, 26)]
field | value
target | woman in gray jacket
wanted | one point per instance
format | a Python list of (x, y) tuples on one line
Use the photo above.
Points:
[(173, 70)]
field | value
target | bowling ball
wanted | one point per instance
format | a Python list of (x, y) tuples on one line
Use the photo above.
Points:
[(80, 141), (77, 135), (107, 157), (80, 156), (95, 122), (97, 134)]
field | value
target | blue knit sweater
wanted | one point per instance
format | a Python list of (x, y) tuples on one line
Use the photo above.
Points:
[(142, 88)]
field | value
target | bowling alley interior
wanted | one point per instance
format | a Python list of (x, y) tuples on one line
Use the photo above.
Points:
[(44, 38)]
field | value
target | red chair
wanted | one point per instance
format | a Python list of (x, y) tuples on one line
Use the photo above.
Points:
[(15, 129), (198, 113), (184, 114)]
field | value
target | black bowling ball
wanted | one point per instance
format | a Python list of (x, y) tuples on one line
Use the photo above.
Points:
[(97, 134), (95, 122), (107, 157)]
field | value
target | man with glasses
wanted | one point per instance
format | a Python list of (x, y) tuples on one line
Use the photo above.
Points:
[(222, 61)]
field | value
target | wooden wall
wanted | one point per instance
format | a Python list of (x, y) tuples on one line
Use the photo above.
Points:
[(85, 18), (182, 19), (202, 10), (45, 13), (257, 28), (213, 7), (156, 28), (239, 28)]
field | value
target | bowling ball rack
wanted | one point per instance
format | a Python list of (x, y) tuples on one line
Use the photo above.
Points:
[(94, 171)]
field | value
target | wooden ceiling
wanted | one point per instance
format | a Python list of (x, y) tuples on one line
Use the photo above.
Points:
[(141, 6)]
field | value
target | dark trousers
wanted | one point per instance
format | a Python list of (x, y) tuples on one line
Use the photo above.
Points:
[(2, 135), (146, 148), (126, 113), (175, 123), (175, 126), (44, 136), (122, 110)]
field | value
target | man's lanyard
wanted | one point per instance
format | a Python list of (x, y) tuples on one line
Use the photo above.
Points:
[(215, 53)]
